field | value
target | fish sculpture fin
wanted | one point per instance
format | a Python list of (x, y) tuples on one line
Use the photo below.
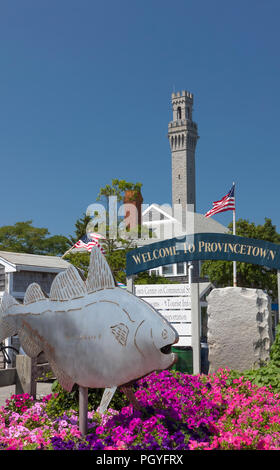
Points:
[(106, 398), (29, 344), (65, 381), (7, 324), (33, 294), (68, 285), (99, 272), (127, 390), (7, 301)]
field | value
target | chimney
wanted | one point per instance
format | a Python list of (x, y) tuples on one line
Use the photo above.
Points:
[(133, 212)]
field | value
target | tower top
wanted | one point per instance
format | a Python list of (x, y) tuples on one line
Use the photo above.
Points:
[(182, 103), (182, 134), (184, 94)]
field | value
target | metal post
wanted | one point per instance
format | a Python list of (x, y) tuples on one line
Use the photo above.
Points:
[(234, 262), (190, 268), (130, 284), (278, 287), (195, 303), (83, 410)]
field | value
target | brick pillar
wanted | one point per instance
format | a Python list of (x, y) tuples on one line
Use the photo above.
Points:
[(133, 211)]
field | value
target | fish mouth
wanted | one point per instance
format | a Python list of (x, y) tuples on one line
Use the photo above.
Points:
[(166, 349)]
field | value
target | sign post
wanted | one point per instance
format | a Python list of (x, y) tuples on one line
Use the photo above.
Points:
[(173, 302), (130, 284), (202, 246), (195, 302), (278, 288), (83, 409)]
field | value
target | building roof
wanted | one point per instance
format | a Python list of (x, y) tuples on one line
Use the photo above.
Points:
[(195, 222), (204, 224), (29, 261)]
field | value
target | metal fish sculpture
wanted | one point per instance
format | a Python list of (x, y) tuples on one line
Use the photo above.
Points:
[(92, 332)]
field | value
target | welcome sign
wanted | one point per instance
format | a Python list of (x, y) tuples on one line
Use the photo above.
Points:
[(203, 246)]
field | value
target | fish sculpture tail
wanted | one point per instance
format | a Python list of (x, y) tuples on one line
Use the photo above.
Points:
[(7, 325)]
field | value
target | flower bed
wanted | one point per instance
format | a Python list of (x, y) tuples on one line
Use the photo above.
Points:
[(180, 412)]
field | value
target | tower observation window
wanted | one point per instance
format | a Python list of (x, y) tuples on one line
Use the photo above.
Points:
[(179, 112)]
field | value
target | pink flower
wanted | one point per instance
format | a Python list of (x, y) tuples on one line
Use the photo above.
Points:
[(121, 445)]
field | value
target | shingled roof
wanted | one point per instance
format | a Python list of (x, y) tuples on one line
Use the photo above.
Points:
[(28, 261)]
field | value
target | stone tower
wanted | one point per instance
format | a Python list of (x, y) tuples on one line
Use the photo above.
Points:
[(182, 134)]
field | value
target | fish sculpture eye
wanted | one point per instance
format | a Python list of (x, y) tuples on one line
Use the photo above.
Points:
[(164, 334)]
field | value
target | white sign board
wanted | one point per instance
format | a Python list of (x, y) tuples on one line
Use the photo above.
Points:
[(184, 340), (159, 290), (173, 302), (176, 316)]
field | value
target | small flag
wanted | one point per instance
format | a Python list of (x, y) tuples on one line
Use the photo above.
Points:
[(227, 203), (89, 241), (96, 236), (120, 284)]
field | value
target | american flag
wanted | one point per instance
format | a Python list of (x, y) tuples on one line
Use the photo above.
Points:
[(227, 203), (90, 240), (121, 285)]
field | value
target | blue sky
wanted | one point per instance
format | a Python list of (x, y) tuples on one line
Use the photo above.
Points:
[(85, 90)]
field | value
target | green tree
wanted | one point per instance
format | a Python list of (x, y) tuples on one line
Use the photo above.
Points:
[(115, 248), (146, 278), (80, 259), (115, 253), (248, 275), (81, 228), (23, 237), (117, 188)]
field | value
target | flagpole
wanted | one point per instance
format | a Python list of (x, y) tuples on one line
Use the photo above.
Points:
[(66, 252), (234, 233)]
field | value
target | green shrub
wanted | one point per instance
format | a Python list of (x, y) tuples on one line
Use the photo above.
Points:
[(275, 348), (269, 374), (63, 401)]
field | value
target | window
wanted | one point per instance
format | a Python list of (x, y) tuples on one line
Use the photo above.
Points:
[(2, 278), (180, 269), (179, 113), (167, 270), (154, 271)]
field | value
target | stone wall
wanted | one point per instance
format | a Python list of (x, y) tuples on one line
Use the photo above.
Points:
[(239, 328)]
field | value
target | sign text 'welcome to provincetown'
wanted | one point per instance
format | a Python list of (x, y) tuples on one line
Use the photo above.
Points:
[(203, 246)]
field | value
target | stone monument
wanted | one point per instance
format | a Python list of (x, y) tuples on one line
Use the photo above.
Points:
[(239, 328)]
